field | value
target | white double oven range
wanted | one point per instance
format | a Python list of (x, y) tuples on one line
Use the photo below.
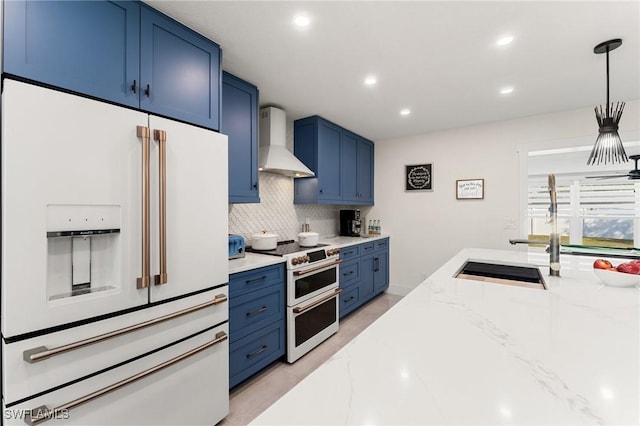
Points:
[(312, 294)]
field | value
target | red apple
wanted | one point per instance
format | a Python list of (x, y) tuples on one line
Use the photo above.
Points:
[(602, 264), (629, 268)]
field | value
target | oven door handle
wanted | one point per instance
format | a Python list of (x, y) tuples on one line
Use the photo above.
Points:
[(301, 309), (317, 268)]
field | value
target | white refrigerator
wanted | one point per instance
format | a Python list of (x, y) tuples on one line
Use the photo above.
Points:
[(114, 264)]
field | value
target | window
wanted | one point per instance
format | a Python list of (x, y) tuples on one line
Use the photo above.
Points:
[(590, 211)]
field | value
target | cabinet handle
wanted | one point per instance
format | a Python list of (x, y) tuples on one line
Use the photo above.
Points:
[(144, 134), (255, 185), (321, 190), (161, 137), (147, 91), (264, 277), (368, 248), (347, 273), (258, 352), (349, 299), (376, 268), (259, 311), (133, 87), (42, 352), (44, 413)]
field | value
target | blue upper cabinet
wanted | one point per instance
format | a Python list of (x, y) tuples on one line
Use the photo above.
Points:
[(179, 71), (112, 50), (239, 121), (341, 160), (318, 144), (90, 47), (364, 165), (349, 166), (357, 169)]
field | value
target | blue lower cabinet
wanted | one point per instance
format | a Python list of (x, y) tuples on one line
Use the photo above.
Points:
[(349, 273), (250, 312), (349, 300), (364, 273), (252, 353), (257, 307)]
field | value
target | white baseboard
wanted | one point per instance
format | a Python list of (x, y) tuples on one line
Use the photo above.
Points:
[(400, 290)]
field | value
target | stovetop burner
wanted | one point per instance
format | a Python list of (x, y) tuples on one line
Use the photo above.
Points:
[(285, 247)]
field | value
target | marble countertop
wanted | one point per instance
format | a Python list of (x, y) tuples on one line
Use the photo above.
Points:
[(457, 351), (256, 260), (252, 261), (350, 241)]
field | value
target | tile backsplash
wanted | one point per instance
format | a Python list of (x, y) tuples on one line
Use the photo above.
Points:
[(276, 212)]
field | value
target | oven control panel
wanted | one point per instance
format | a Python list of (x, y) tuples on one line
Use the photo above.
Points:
[(310, 257)]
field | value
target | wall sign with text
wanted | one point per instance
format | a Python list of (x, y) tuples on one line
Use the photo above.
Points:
[(418, 177), (470, 189)]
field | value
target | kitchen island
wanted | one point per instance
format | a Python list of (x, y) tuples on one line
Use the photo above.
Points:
[(457, 351)]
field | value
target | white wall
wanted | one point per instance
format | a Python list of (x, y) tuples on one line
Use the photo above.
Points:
[(427, 228)]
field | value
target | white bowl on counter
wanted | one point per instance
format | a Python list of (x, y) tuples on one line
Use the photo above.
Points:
[(264, 241), (308, 239), (617, 279)]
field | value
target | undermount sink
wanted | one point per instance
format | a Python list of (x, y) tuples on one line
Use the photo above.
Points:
[(521, 275)]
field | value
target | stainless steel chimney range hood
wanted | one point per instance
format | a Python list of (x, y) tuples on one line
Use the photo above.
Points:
[(273, 156)]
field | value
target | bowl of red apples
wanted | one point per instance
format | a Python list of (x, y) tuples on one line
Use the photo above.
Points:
[(626, 274)]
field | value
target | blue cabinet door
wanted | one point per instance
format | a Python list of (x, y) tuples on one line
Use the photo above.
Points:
[(380, 271), (329, 162), (179, 71), (367, 267), (89, 47), (350, 173), (239, 121), (365, 172)]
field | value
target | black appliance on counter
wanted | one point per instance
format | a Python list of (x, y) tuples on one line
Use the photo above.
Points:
[(350, 224)]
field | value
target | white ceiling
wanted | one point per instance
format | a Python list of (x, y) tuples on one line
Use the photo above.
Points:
[(436, 58)]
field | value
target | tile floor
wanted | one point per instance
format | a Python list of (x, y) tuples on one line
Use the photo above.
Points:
[(252, 397)]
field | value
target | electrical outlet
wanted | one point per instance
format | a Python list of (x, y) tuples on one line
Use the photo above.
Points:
[(509, 223)]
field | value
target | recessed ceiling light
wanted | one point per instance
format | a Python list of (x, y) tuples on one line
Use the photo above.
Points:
[(504, 40), (506, 90), (301, 21), (405, 111), (370, 80)]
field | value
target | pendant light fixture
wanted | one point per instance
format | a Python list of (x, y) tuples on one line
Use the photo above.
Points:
[(608, 145)]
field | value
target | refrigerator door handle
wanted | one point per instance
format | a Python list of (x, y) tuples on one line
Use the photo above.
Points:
[(144, 134), (161, 137), (44, 413), (41, 353)]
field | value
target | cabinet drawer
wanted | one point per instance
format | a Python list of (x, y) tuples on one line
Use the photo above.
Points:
[(382, 244), (349, 300), (251, 311), (349, 273), (249, 355), (367, 248), (140, 335), (244, 282), (349, 252), (164, 381)]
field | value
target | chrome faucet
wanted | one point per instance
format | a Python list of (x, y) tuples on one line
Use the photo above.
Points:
[(554, 238)]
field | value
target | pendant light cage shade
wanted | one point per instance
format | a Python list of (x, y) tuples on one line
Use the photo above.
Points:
[(608, 146)]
